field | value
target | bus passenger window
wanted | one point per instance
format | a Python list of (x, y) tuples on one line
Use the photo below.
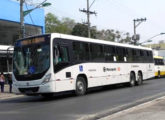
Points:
[(60, 55), (109, 53), (80, 51), (64, 54)]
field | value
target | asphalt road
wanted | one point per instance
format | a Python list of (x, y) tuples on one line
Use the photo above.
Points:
[(97, 103)]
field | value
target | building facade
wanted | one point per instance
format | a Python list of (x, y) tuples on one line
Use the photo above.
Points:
[(10, 27)]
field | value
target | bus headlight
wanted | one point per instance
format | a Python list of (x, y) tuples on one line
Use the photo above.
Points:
[(46, 79)]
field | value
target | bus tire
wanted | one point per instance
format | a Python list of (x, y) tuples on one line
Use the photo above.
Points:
[(132, 80), (158, 74), (139, 79), (81, 86)]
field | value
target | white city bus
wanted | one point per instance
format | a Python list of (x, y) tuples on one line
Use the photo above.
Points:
[(159, 66), (56, 62)]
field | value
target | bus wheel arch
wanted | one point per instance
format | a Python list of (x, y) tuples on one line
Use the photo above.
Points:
[(81, 85)]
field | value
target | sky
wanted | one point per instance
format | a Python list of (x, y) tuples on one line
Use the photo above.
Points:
[(117, 15)]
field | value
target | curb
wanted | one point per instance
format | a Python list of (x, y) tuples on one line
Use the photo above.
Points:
[(138, 107), (125, 107), (10, 96)]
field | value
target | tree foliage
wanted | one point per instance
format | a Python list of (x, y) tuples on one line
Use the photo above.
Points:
[(127, 39), (82, 30), (53, 24), (68, 26), (108, 35)]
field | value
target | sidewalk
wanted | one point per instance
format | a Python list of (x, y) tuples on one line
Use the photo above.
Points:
[(7, 94), (153, 110)]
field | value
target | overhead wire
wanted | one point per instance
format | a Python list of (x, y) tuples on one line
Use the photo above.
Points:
[(31, 18), (134, 12), (92, 4), (30, 14)]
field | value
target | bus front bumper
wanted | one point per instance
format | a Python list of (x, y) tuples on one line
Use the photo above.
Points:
[(37, 89)]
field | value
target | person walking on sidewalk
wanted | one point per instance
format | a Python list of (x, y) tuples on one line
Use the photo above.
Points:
[(2, 82), (10, 82)]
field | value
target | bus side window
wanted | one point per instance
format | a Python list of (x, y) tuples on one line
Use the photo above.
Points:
[(97, 52), (109, 53), (60, 54), (64, 57), (56, 55), (151, 56), (120, 54), (60, 58), (130, 55)]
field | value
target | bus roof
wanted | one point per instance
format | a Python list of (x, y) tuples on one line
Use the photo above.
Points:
[(5, 47), (77, 38), (71, 37), (158, 57)]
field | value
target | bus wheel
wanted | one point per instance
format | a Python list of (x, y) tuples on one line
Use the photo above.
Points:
[(158, 74), (80, 86), (140, 79), (132, 80)]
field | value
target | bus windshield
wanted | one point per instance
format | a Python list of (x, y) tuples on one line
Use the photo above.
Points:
[(31, 56)]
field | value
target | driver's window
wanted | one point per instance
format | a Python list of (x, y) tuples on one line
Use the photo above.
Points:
[(64, 54), (60, 54), (56, 55)]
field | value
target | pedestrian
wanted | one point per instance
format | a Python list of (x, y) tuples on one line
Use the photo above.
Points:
[(10, 82), (2, 81)]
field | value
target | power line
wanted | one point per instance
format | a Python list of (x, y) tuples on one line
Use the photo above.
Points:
[(30, 14), (92, 4)]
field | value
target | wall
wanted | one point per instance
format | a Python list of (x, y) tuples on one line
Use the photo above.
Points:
[(10, 11)]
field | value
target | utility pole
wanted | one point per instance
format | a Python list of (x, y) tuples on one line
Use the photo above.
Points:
[(24, 13), (136, 23), (88, 19), (22, 26), (88, 12)]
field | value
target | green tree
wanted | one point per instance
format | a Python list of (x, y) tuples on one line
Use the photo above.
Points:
[(108, 35), (118, 36), (82, 30), (53, 24), (67, 25), (127, 39)]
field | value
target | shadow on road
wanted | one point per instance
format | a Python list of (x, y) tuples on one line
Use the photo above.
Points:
[(68, 95)]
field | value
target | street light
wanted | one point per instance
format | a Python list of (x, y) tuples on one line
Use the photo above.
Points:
[(150, 39), (39, 6), (147, 41), (155, 36), (24, 13)]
